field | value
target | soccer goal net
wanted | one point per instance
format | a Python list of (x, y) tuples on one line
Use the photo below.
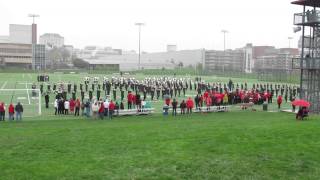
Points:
[(29, 98)]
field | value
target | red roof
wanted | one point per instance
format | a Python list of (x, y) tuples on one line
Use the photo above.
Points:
[(312, 3)]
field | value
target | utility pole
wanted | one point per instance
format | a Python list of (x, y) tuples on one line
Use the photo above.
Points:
[(34, 40), (224, 38), (290, 38), (34, 28), (139, 25)]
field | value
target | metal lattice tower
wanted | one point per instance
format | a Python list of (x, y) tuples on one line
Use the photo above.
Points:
[(309, 62)]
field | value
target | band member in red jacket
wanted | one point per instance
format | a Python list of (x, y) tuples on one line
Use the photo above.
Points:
[(11, 112), (112, 106), (190, 105), (279, 101), (130, 100), (101, 110), (2, 111)]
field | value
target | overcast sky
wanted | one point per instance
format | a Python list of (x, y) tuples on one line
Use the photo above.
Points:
[(190, 24)]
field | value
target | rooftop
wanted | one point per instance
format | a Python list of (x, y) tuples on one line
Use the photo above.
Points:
[(51, 34), (312, 3)]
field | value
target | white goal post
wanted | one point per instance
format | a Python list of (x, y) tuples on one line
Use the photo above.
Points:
[(25, 96)]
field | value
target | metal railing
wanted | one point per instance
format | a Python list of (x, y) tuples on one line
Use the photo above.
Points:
[(307, 17)]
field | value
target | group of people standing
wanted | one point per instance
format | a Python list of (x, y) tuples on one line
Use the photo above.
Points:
[(185, 106), (157, 88), (95, 108), (65, 106), (14, 111), (207, 94)]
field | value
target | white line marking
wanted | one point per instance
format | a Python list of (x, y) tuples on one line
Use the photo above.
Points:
[(24, 83), (4, 85), (28, 93)]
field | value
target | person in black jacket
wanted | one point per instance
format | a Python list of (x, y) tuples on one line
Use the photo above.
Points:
[(196, 100), (174, 107), (19, 111), (138, 102), (183, 107), (46, 97)]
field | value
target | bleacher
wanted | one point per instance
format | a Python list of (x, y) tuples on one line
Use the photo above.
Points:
[(133, 112), (148, 111), (212, 109), (246, 105), (205, 109)]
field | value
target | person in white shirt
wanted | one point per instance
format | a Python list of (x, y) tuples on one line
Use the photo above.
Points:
[(143, 104), (95, 109), (56, 106), (66, 107), (106, 107)]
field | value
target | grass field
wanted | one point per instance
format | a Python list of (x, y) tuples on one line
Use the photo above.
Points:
[(234, 145), (231, 145)]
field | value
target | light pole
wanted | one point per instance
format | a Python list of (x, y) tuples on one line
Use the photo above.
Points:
[(139, 25), (290, 38), (33, 16), (34, 38), (224, 38)]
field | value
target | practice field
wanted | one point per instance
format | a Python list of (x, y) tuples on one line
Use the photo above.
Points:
[(234, 145)]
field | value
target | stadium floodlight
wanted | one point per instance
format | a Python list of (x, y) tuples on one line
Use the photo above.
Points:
[(224, 38), (139, 25), (33, 16)]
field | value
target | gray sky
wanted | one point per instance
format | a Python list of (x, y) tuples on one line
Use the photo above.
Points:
[(191, 24)]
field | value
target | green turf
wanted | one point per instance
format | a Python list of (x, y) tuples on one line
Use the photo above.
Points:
[(234, 145)]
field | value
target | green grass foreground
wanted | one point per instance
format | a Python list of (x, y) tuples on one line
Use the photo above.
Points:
[(235, 145)]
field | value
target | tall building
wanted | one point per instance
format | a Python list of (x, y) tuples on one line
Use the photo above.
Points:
[(280, 61), (171, 48), (39, 57), (20, 48), (21, 34), (249, 64), (238, 60), (275, 59), (276, 64), (263, 51), (51, 40), (19, 55), (4, 39), (229, 60)]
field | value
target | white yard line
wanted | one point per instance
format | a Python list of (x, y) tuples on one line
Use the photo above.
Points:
[(4, 85), (28, 93), (24, 83)]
